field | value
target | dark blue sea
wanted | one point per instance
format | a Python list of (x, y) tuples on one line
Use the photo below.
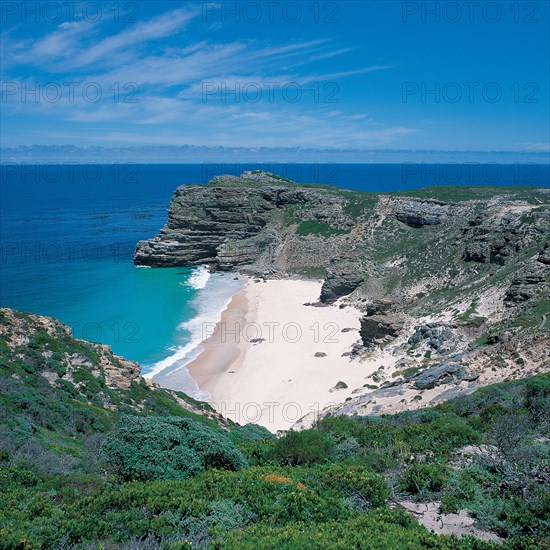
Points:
[(68, 233)]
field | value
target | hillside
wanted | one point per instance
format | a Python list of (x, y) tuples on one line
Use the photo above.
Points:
[(453, 282), (92, 456), (60, 395)]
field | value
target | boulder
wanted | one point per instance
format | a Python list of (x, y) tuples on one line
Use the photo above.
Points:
[(439, 337), (343, 277), (449, 371), (378, 327), (418, 213), (379, 307)]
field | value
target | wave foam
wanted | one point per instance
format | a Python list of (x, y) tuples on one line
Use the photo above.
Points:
[(211, 300), (199, 278)]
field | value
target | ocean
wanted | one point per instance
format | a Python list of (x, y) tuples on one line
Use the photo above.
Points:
[(68, 232)]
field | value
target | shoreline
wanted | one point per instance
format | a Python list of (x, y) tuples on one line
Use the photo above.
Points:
[(272, 360), (214, 293), (219, 351)]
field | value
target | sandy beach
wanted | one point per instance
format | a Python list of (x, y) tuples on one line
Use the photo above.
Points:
[(260, 364)]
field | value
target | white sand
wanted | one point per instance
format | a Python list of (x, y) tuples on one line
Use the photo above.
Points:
[(279, 380)]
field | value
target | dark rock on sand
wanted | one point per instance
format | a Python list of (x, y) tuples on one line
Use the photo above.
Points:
[(343, 276)]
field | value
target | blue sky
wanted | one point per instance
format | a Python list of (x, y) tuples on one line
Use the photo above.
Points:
[(307, 74)]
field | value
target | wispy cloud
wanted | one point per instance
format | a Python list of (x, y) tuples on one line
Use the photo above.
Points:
[(170, 68), (543, 147), (162, 26)]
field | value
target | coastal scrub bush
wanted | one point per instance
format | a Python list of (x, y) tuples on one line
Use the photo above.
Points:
[(258, 453), (147, 448), (347, 447), (424, 478), (250, 432), (381, 528), (299, 448), (351, 480)]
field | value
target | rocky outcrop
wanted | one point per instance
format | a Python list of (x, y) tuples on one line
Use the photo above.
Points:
[(438, 336), (532, 280), (418, 213), (343, 277), (200, 220), (544, 256), (511, 358), (220, 223), (377, 327), (254, 177), (490, 247), (380, 307), (22, 330), (495, 237), (120, 373), (449, 371), (382, 319)]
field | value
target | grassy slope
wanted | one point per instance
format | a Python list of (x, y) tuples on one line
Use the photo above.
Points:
[(57, 426)]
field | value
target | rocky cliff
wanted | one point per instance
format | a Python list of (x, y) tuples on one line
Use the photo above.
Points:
[(230, 222), (44, 348), (406, 246), (437, 272)]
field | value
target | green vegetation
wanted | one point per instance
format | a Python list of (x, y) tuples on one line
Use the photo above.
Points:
[(298, 448), (167, 448), (421, 479), (371, 531), (77, 473), (314, 227), (452, 193), (273, 176)]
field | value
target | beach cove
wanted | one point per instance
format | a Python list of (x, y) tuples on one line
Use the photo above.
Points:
[(275, 357)]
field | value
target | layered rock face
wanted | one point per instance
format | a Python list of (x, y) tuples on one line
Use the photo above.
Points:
[(343, 276), (200, 219), (366, 246), (382, 320), (218, 224), (496, 235), (533, 279), (418, 213)]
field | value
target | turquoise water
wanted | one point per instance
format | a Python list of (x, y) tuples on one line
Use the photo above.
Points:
[(67, 251), (136, 311)]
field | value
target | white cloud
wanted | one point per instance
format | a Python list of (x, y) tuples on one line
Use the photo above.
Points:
[(162, 26), (543, 147), (171, 102)]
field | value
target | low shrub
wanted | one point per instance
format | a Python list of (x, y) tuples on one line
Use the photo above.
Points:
[(424, 478), (350, 480), (250, 432), (378, 529), (299, 448), (147, 448)]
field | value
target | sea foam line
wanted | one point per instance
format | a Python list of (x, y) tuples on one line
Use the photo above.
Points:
[(215, 292), (199, 278)]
